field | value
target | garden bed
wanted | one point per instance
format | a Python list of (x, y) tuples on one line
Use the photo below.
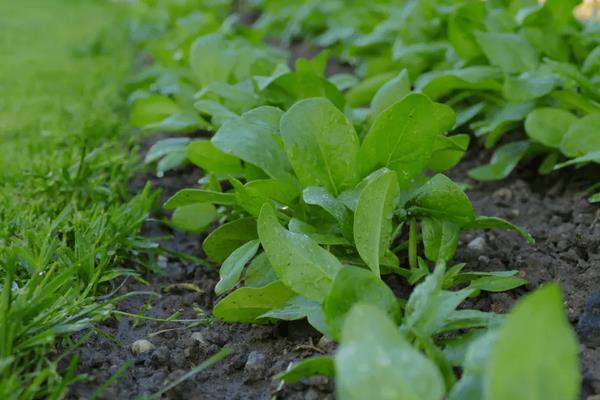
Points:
[(553, 208)]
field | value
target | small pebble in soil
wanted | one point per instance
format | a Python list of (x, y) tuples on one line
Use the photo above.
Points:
[(160, 356), (255, 365), (141, 346), (588, 326), (477, 244)]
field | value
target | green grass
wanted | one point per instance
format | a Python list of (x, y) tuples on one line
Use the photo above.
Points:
[(66, 217)]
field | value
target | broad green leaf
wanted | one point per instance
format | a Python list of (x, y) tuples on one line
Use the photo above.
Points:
[(499, 223), (429, 308), (296, 308), (321, 145), (447, 151), (260, 272), (206, 156), (226, 238), (321, 234), (503, 162), (437, 84), (548, 125), (462, 23), (194, 218), (441, 198), (291, 87), (211, 59), (529, 85), (509, 51), (191, 196), (373, 218), (561, 10), (393, 91), (151, 109), (319, 196), (536, 354), (362, 93), (440, 238), (232, 267), (501, 120), (374, 361), (497, 283), (354, 285), (218, 113), (253, 137), (166, 146), (248, 304), (181, 121), (593, 156), (254, 194), (296, 259), (402, 137), (582, 137), (470, 385), (318, 365)]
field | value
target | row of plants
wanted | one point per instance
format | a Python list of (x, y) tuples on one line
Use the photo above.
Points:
[(324, 185), (501, 65)]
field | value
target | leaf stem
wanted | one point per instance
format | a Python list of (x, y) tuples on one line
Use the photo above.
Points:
[(412, 243)]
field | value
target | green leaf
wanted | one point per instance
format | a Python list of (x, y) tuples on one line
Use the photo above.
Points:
[(260, 272), (462, 23), (296, 308), (181, 121), (373, 218), (253, 137), (354, 285), (206, 156), (254, 194), (226, 238), (594, 156), (441, 198), (582, 137), (509, 51), (191, 196), (374, 361), (402, 137), (321, 145), (393, 91), (232, 267), (319, 196), (548, 125), (321, 234), (447, 151), (151, 109), (536, 354), (440, 238), (503, 162), (296, 259), (194, 218), (500, 120), (211, 60), (497, 283), (429, 308), (437, 84), (499, 223), (248, 304), (362, 93), (529, 85), (470, 386), (318, 365)]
